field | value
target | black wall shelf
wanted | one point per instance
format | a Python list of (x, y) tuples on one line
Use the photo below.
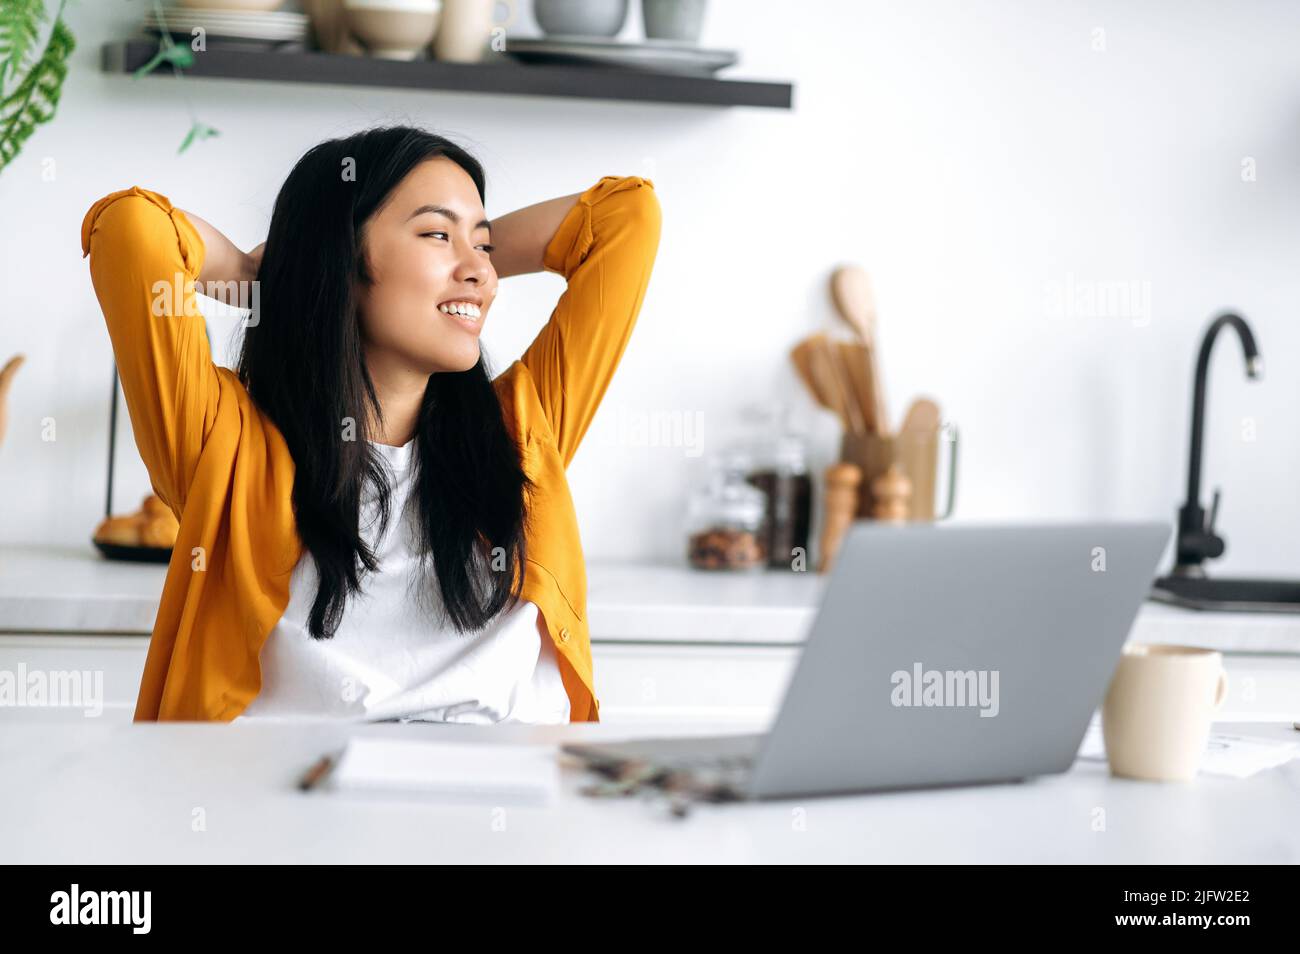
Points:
[(503, 77)]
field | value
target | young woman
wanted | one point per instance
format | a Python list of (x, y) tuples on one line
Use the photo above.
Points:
[(372, 527)]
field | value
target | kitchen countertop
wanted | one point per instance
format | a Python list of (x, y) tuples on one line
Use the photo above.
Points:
[(99, 793), (72, 589)]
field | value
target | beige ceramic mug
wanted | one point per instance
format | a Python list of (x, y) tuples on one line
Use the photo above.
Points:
[(1157, 713), (466, 28)]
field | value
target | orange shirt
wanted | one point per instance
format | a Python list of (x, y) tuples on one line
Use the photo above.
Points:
[(225, 470)]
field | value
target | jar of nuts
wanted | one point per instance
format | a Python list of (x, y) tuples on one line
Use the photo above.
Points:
[(726, 520)]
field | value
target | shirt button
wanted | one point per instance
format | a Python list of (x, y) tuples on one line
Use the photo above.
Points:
[(564, 635)]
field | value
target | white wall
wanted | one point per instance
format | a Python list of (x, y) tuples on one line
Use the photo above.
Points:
[(973, 156)]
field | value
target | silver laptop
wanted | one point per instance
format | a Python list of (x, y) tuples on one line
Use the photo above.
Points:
[(940, 655)]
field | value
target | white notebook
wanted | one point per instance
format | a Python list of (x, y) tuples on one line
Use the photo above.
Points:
[(1236, 756), (448, 771)]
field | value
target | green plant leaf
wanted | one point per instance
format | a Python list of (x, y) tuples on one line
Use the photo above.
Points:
[(180, 56), (20, 23), (35, 99), (198, 132)]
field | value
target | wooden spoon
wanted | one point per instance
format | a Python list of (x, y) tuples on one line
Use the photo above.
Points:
[(856, 305), (854, 300)]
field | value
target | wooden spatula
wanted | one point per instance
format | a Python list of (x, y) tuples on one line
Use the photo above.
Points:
[(820, 369), (918, 452), (923, 415), (837, 383), (801, 356), (853, 355)]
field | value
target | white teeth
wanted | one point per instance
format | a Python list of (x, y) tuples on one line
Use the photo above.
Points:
[(464, 309)]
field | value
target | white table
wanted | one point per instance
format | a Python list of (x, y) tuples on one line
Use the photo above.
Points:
[(676, 652), (103, 792)]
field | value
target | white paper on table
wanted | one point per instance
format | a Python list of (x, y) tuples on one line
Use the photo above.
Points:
[(1235, 756), (448, 771)]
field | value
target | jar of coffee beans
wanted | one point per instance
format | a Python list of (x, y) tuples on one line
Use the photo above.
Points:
[(726, 519), (781, 472)]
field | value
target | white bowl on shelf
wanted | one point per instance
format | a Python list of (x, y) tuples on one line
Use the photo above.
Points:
[(393, 29), (580, 17), (230, 25), (238, 6)]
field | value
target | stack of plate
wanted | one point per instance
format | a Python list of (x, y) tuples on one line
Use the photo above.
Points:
[(658, 56), (231, 28)]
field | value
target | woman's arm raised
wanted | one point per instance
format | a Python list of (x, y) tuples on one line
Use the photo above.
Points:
[(145, 256), (603, 242), (224, 265), (520, 238)]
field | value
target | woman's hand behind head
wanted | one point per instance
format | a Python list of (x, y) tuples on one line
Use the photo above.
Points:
[(255, 259)]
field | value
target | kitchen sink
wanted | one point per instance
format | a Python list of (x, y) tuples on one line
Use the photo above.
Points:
[(1229, 595)]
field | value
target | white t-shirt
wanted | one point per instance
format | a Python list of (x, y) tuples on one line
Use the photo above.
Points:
[(388, 659)]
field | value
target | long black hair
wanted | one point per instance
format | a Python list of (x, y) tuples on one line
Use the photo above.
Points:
[(303, 364)]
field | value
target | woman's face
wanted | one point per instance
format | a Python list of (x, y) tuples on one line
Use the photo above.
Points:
[(432, 278)]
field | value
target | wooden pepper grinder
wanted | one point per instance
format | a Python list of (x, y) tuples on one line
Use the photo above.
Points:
[(842, 480), (891, 495)]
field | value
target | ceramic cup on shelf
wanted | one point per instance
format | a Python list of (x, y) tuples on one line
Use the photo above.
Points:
[(1156, 717), (467, 26), (580, 17), (393, 29), (679, 20), (328, 24)]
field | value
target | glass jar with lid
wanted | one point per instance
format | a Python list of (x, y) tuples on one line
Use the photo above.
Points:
[(781, 471), (726, 518)]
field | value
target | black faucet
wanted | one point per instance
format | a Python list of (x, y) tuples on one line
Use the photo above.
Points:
[(1197, 540)]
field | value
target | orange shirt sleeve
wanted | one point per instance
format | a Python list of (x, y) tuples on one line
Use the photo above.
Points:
[(605, 248), (145, 257)]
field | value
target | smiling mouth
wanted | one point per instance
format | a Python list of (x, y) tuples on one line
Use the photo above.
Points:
[(465, 310)]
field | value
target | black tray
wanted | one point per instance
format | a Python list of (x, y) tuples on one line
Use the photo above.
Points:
[(120, 551)]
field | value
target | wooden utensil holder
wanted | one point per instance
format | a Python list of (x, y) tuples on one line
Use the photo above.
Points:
[(916, 453)]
